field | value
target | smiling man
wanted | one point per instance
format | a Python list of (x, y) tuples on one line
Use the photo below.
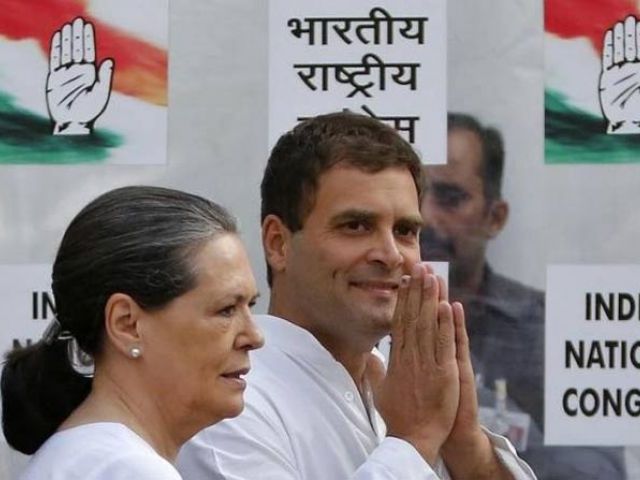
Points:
[(340, 223)]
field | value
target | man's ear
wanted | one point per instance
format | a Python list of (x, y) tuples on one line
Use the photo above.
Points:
[(276, 241), (122, 315), (498, 215)]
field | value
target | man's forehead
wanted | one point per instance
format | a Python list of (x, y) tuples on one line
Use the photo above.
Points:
[(346, 165), (458, 170), (347, 188), (464, 150), (344, 172)]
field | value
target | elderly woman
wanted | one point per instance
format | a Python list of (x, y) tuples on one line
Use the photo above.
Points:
[(153, 291)]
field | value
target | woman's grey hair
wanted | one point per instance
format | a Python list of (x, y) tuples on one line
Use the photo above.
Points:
[(141, 241)]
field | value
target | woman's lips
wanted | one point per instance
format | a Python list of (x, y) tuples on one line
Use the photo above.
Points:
[(234, 377)]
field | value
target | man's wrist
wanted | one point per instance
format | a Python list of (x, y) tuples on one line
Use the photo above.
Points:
[(474, 458)]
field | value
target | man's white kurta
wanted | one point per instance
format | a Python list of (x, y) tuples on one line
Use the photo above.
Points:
[(305, 420)]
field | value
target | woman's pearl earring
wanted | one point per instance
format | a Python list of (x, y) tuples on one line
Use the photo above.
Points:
[(135, 352)]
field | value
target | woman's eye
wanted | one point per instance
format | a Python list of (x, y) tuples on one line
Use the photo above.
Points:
[(227, 311)]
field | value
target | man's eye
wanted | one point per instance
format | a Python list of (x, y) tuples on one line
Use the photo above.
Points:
[(407, 231), (448, 197), (355, 226)]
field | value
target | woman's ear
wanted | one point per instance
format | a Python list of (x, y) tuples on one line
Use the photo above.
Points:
[(122, 315), (276, 240)]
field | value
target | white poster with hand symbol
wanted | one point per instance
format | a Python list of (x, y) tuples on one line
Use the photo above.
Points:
[(77, 89), (592, 83), (83, 82)]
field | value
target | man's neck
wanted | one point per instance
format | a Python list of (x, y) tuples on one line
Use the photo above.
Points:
[(345, 349), (470, 285), (352, 357)]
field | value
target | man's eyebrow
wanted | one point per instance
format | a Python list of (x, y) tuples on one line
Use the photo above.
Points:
[(442, 184), (357, 215), (353, 214), (413, 222), (447, 187)]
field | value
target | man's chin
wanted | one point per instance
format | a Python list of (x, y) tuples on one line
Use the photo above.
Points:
[(380, 320), (374, 309)]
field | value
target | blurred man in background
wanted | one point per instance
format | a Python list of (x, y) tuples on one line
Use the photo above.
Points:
[(463, 210)]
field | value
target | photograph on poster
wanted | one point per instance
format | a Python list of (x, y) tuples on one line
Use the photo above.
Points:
[(571, 214), (464, 209), (464, 212)]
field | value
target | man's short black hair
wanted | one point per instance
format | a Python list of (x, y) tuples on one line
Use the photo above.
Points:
[(314, 146), (492, 151)]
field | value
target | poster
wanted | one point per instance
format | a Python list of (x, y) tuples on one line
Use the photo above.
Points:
[(83, 81), (592, 355), (27, 304), (383, 59), (592, 82)]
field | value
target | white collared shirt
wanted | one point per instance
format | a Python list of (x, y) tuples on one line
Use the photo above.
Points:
[(305, 420)]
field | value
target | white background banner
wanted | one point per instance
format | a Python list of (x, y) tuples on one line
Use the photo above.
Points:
[(26, 303), (592, 355), (386, 60)]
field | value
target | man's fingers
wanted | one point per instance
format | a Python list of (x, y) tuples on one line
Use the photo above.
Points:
[(618, 43), (630, 48), (446, 346), (426, 326), (443, 289), (442, 285), (465, 368), (427, 267), (462, 339), (77, 49), (397, 328), (65, 58), (414, 301), (89, 43), (54, 57)]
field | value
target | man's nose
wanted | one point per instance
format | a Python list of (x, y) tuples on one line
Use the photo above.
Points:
[(432, 214), (385, 250)]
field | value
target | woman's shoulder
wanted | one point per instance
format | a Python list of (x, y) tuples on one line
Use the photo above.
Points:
[(134, 465), (98, 451)]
